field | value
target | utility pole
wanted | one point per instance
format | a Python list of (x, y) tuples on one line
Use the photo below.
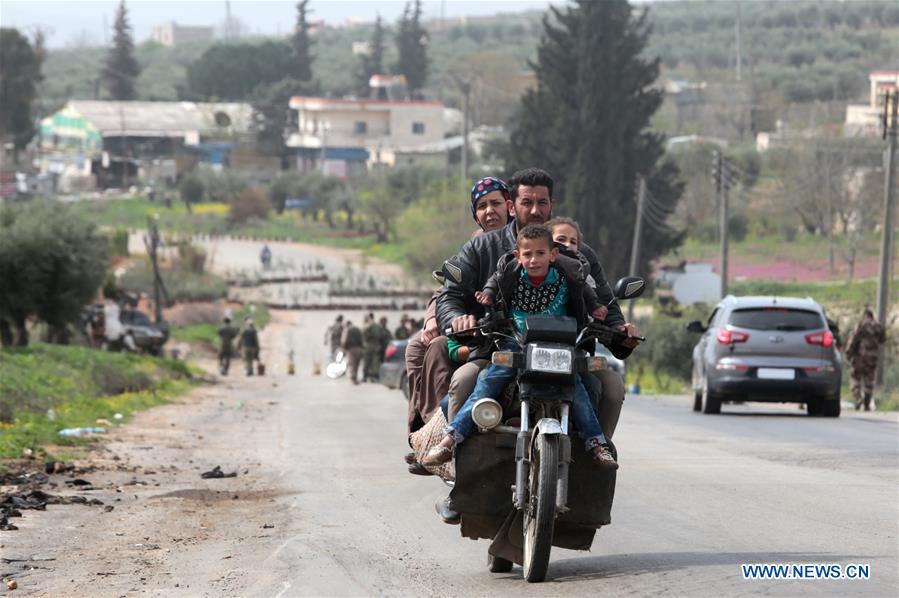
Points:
[(151, 241), (738, 27), (466, 90), (720, 175), (891, 131), (638, 231)]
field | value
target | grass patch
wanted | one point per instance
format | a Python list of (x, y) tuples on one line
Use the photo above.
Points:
[(858, 294), (655, 382), (45, 388), (757, 249), (212, 219)]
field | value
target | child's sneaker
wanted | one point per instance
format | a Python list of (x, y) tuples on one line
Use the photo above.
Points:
[(603, 459)]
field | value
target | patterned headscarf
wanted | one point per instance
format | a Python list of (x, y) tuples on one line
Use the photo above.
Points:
[(485, 186)]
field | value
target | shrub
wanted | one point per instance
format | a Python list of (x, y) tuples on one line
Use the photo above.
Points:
[(118, 243), (250, 205), (191, 189)]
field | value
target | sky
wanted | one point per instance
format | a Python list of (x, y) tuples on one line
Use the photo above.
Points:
[(74, 22)]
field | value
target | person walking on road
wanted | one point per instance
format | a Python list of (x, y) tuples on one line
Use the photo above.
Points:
[(249, 342), (227, 334), (371, 342), (351, 343), (862, 352), (335, 332)]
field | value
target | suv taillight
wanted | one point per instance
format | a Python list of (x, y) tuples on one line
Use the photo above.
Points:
[(389, 352), (727, 336), (825, 339)]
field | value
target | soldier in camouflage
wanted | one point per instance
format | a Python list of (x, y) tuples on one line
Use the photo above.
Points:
[(371, 348), (862, 353)]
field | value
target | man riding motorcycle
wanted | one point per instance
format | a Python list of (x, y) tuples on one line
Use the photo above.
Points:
[(468, 271)]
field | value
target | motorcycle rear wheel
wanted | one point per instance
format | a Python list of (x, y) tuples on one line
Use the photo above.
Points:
[(540, 515)]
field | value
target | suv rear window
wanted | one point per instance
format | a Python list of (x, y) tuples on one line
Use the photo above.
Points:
[(776, 318)]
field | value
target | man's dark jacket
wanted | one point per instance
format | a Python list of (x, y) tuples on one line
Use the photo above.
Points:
[(468, 271), (581, 298)]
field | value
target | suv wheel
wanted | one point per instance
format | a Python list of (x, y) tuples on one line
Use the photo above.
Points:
[(711, 402), (829, 407), (813, 406)]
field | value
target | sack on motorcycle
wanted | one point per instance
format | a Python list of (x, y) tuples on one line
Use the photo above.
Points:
[(485, 474)]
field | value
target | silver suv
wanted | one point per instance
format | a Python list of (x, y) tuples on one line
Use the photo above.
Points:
[(767, 349)]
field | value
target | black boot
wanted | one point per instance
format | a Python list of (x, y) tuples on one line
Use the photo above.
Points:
[(446, 513), (867, 401)]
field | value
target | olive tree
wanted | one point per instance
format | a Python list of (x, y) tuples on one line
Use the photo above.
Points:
[(52, 262)]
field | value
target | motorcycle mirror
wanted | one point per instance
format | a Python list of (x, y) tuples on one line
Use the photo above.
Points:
[(452, 271), (629, 287)]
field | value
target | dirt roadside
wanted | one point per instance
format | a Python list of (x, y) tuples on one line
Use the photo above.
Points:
[(168, 528)]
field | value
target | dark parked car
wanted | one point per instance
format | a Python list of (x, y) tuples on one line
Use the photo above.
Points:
[(766, 349), (147, 335), (393, 368)]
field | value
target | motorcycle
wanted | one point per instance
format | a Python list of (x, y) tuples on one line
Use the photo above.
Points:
[(555, 500)]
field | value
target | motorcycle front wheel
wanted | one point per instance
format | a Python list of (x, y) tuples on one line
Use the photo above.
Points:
[(540, 514)]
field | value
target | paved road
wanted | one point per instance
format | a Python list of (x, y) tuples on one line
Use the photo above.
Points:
[(321, 461)]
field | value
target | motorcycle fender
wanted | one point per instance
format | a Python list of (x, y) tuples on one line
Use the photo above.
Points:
[(548, 425)]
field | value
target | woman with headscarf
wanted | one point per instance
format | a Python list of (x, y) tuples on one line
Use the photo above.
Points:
[(429, 365)]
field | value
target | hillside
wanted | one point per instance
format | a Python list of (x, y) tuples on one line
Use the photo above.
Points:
[(793, 54)]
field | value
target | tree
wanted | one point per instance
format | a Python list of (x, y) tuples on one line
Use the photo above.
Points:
[(412, 45), (121, 69), (301, 43), (272, 115), (426, 240), (20, 72), (234, 71), (251, 204), (587, 123), (52, 262), (382, 205), (371, 63)]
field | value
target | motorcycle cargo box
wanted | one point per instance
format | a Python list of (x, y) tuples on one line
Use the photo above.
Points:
[(485, 474)]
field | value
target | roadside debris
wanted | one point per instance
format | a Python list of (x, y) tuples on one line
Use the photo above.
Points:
[(11, 584), (81, 431), (57, 467), (216, 472)]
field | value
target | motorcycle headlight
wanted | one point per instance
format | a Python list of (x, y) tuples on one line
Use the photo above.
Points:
[(486, 414), (556, 361)]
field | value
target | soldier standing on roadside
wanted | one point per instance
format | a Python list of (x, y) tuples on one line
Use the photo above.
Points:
[(862, 352), (227, 334), (351, 343), (249, 342), (371, 339), (334, 334)]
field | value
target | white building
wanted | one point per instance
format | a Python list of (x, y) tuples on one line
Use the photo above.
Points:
[(172, 34), (341, 137), (867, 119)]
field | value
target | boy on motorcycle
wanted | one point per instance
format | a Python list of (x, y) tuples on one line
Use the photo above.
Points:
[(534, 279)]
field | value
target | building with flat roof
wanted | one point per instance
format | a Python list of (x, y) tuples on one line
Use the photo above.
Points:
[(344, 136), (172, 34), (867, 119)]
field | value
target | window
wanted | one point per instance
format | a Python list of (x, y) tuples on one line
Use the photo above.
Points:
[(418, 128), (776, 318), (360, 127)]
